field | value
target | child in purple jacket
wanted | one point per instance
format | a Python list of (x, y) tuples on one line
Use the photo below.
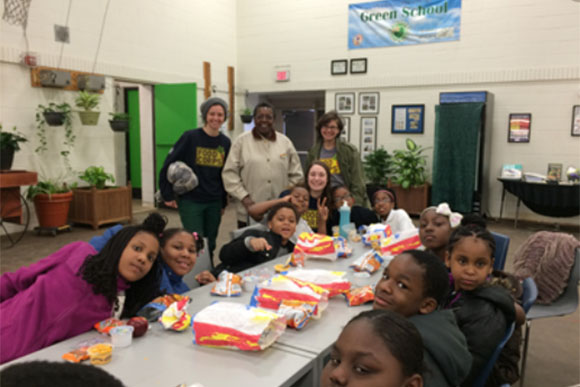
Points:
[(66, 293)]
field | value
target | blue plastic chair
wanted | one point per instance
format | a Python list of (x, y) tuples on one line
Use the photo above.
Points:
[(482, 378), (502, 242), (567, 303), (530, 293)]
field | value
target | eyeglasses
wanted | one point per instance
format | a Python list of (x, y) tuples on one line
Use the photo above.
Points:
[(385, 200), (339, 200), (330, 127)]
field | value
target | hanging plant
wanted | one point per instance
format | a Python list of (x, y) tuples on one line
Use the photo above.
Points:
[(46, 113), (88, 101)]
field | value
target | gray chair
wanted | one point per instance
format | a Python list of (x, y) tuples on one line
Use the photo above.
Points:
[(203, 263), (564, 305)]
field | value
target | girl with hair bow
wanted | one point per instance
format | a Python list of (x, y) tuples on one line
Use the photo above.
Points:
[(435, 226)]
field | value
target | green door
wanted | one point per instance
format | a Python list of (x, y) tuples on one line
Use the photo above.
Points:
[(134, 139), (175, 111)]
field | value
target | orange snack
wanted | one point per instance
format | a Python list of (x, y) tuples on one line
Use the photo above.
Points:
[(106, 325), (76, 356), (100, 354)]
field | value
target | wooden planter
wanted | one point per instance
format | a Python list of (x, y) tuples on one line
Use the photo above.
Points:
[(414, 199), (96, 207)]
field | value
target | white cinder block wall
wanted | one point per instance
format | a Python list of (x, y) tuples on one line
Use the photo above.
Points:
[(143, 41), (527, 53)]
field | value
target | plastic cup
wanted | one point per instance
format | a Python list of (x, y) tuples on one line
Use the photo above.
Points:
[(360, 279), (121, 336)]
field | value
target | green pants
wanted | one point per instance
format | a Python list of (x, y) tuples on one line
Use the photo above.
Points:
[(203, 218)]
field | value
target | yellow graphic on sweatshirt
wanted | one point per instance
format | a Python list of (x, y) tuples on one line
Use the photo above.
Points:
[(332, 164), (210, 157), (311, 217)]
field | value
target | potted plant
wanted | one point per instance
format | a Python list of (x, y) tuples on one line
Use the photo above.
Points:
[(98, 204), (246, 116), (51, 201), (9, 144), (45, 115), (119, 122), (410, 178), (54, 114), (378, 167), (88, 101)]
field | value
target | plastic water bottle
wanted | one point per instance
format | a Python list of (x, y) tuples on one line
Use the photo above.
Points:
[(344, 219)]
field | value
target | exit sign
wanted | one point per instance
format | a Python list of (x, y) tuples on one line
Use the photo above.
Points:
[(282, 75)]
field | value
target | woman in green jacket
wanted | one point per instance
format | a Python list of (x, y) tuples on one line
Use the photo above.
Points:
[(342, 158)]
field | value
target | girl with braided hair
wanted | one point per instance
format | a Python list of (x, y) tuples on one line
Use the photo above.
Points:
[(66, 293)]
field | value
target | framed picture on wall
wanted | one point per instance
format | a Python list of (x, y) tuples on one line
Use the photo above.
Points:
[(368, 135), (576, 120), (519, 127), (407, 119), (344, 103), (358, 66), (368, 103), (345, 134), (338, 67)]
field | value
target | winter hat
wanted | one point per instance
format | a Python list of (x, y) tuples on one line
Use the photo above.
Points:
[(181, 177), (204, 108)]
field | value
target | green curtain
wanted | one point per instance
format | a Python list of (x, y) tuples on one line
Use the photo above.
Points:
[(457, 129)]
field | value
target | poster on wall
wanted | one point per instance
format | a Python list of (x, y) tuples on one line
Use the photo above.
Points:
[(403, 22), (368, 135), (519, 127), (407, 118)]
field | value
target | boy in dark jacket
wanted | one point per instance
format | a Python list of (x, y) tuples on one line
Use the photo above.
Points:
[(256, 246), (413, 285)]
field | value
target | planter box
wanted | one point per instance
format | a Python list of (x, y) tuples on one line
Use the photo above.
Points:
[(413, 200), (96, 207)]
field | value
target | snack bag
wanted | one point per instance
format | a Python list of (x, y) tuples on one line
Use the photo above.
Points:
[(237, 326), (175, 317), (227, 285), (270, 294), (106, 325), (376, 232), (359, 296), (79, 352), (333, 281), (341, 247), (153, 310), (370, 262), (296, 313), (399, 242), (316, 246)]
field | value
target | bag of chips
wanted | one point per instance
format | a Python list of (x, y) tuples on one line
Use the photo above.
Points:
[(227, 285), (333, 281), (271, 293), (296, 313), (106, 325), (316, 246), (175, 317), (341, 247), (153, 310), (370, 262), (359, 296), (237, 326), (399, 242), (376, 232)]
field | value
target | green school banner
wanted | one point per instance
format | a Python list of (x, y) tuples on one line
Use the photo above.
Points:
[(403, 22)]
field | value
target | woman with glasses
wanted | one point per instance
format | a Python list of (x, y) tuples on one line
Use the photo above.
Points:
[(385, 206), (342, 158)]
